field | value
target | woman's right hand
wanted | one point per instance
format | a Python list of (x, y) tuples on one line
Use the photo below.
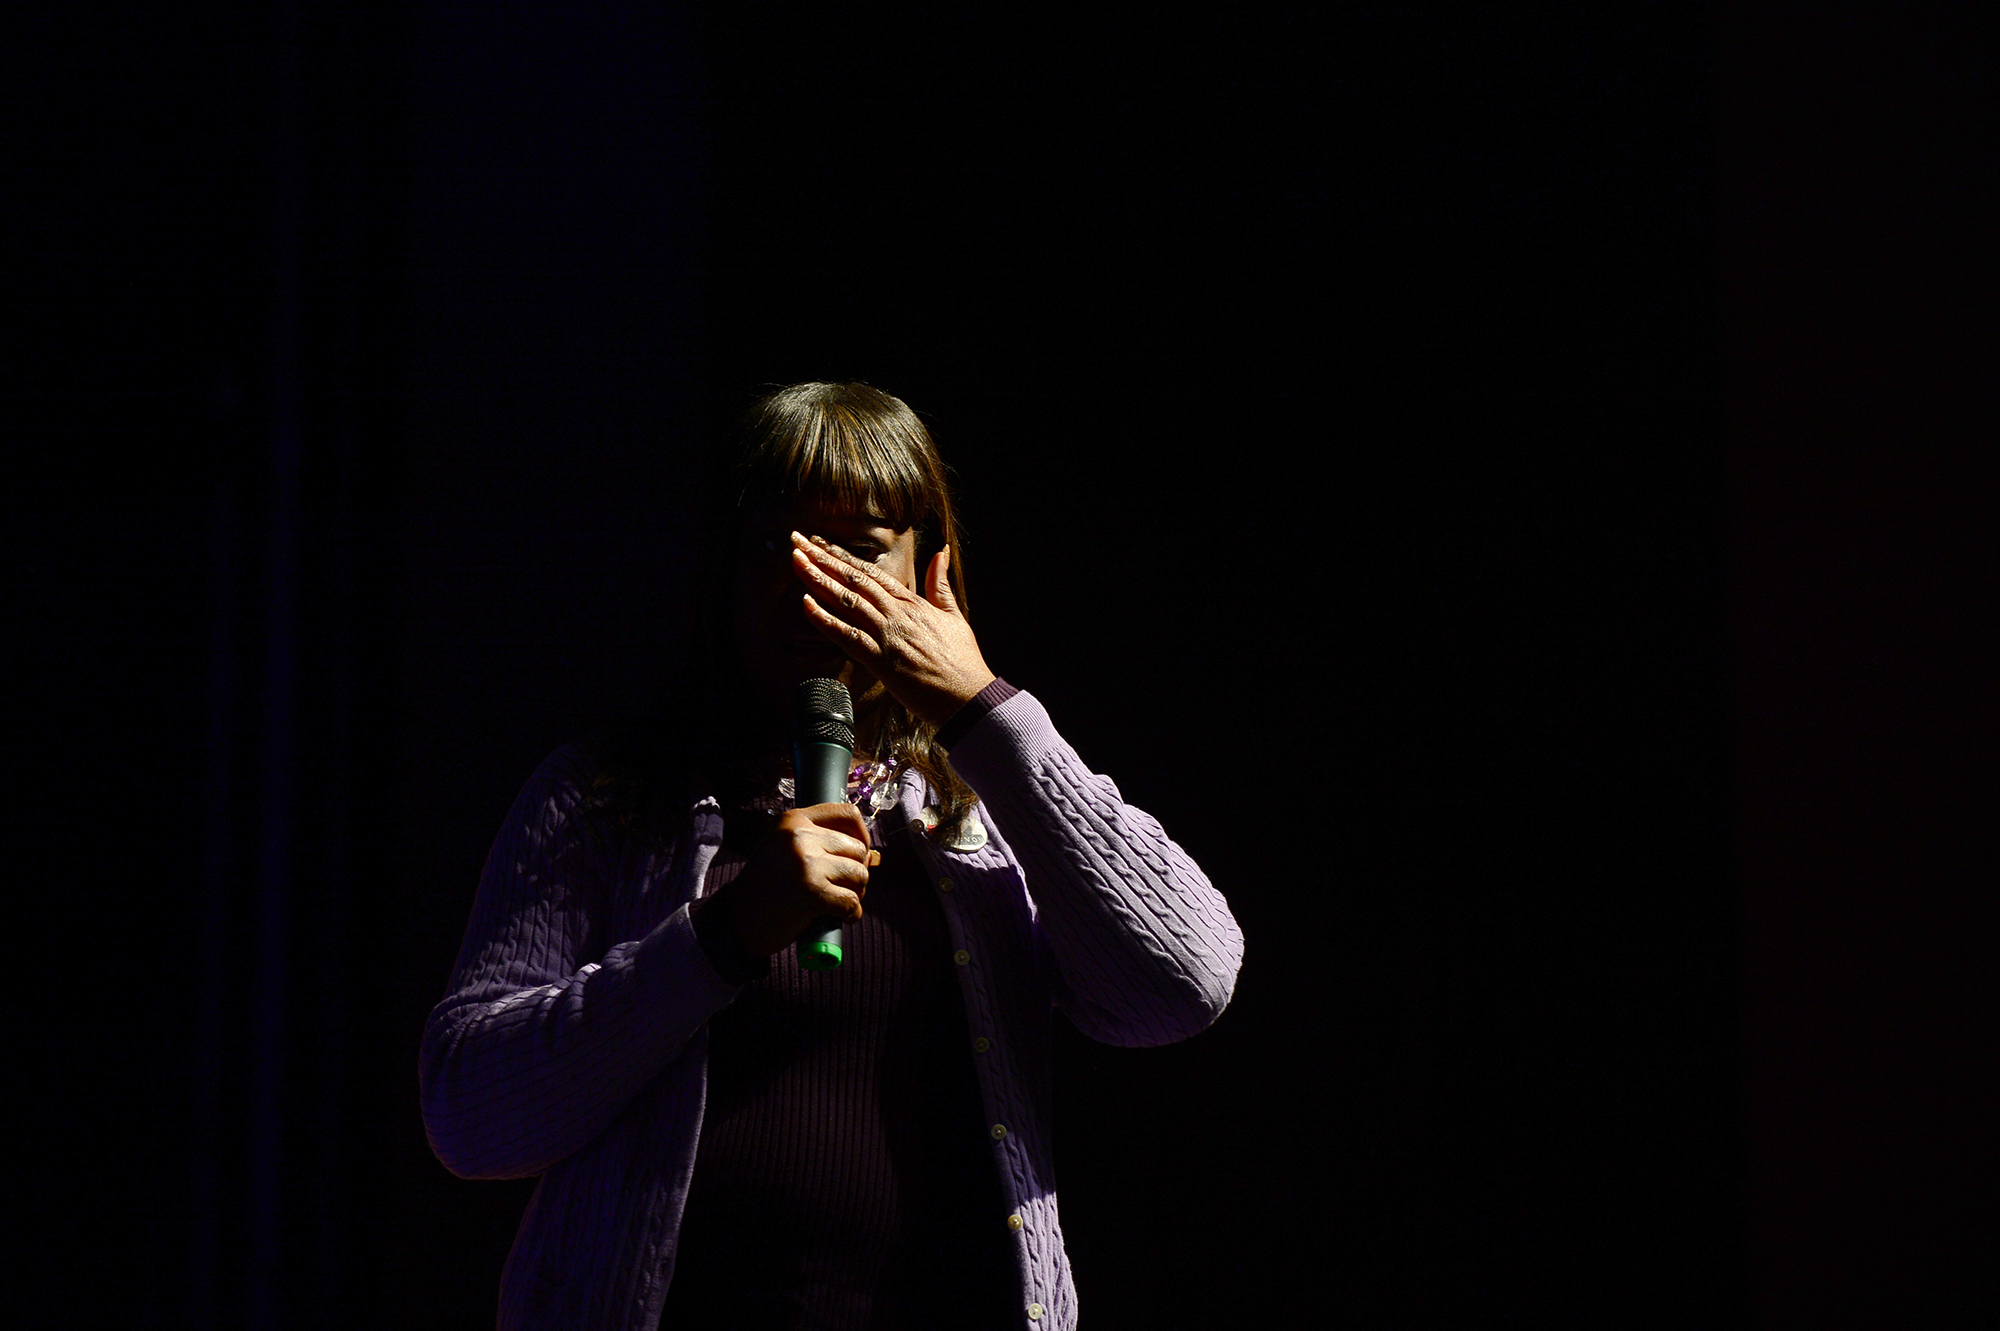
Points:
[(813, 866)]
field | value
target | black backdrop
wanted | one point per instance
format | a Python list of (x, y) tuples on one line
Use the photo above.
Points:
[(1349, 463)]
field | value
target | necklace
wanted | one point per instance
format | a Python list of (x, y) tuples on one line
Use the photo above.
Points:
[(871, 786)]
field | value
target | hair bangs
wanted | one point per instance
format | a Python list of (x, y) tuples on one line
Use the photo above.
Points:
[(846, 445)]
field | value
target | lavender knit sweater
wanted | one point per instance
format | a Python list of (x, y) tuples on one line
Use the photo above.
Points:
[(573, 1041)]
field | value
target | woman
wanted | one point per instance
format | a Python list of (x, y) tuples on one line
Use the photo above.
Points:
[(725, 1139)]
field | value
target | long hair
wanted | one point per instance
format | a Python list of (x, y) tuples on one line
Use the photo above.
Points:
[(854, 448)]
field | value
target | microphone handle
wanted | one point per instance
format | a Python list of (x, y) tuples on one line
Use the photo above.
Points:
[(819, 776)]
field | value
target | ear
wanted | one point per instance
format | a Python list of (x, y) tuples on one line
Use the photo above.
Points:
[(937, 582)]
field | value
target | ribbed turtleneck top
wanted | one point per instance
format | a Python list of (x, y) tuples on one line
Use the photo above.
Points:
[(843, 1178)]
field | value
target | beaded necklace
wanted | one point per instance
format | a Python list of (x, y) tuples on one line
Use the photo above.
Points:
[(871, 787)]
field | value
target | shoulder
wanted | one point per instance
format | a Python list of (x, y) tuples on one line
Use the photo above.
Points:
[(575, 766), (629, 784), (554, 801)]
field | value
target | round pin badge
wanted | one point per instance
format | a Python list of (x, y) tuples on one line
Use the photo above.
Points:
[(971, 834)]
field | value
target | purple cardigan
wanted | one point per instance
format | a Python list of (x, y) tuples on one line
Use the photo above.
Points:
[(573, 1041)]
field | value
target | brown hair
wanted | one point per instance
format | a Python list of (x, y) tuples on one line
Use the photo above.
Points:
[(851, 446)]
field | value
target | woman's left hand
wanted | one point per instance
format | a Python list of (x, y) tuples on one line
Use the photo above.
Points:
[(920, 647)]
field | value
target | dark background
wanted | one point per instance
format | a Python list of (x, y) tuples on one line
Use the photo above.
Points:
[(1508, 492)]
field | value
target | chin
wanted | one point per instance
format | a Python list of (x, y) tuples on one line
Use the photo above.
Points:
[(778, 679)]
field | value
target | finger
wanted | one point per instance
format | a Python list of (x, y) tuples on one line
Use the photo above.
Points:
[(840, 903), (937, 582), (858, 597), (845, 849), (841, 818), (845, 874), (846, 570), (865, 650)]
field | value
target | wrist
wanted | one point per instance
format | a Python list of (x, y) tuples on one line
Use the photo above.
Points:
[(974, 709), (969, 688)]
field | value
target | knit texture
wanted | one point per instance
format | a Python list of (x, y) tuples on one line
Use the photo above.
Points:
[(843, 1179), (572, 1042), (973, 711)]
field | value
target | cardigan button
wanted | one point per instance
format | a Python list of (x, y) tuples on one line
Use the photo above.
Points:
[(1034, 1312), (944, 884), (999, 1132), (961, 956), (1015, 1222), (981, 1045)]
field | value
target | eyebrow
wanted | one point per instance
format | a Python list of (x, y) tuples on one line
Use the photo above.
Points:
[(876, 521), (869, 520)]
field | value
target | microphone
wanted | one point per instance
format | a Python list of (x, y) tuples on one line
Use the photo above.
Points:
[(822, 753)]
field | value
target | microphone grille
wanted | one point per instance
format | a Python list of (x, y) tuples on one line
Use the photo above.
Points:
[(823, 713)]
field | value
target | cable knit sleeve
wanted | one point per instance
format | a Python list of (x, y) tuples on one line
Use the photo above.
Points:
[(538, 1046), (1145, 947)]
